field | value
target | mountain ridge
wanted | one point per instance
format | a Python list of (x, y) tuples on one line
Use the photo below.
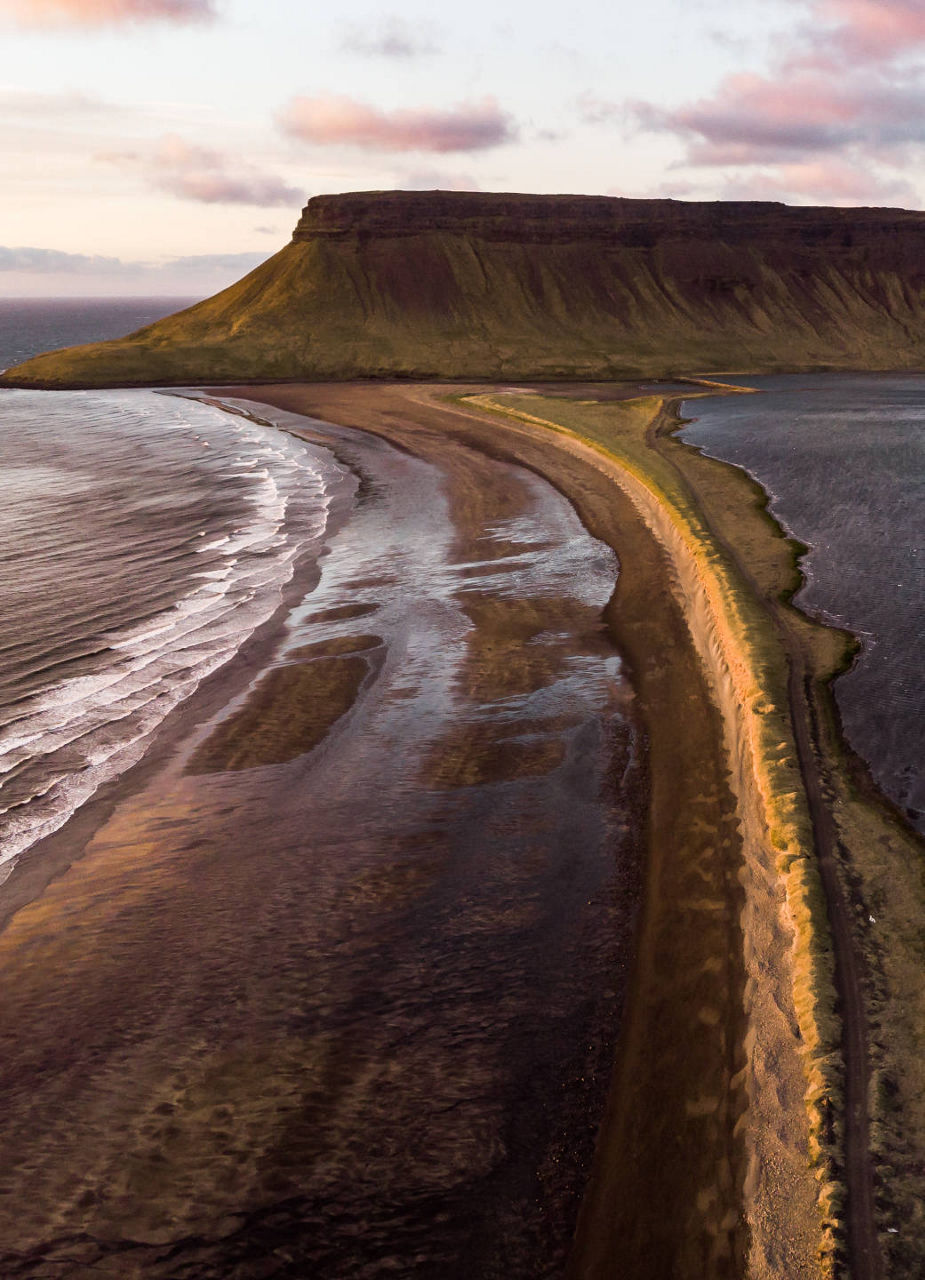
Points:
[(488, 286)]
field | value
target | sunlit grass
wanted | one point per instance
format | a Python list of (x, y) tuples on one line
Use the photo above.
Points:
[(742, 650)]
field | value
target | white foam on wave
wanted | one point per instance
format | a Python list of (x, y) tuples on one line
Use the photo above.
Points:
[(72, 736), (214, 545)]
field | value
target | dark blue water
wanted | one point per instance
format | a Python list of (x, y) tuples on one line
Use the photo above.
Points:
[(843, 458), (29, 326)]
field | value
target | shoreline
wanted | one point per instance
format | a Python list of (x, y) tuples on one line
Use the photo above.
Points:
[(44, 861), (869, 855), (867, 845), (876, 896), (851, 643), (786, 1227), (392, 380), (712, 1240), (895, 1196)]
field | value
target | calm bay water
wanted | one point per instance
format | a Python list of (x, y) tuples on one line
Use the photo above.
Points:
[(843, 458)]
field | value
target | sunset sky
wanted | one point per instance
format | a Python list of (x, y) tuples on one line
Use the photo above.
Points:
[(167, 146)]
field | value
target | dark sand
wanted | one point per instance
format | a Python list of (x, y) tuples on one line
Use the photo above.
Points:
[(350, 1010)]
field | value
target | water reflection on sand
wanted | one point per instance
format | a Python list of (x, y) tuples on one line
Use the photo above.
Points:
[(353, 1013)]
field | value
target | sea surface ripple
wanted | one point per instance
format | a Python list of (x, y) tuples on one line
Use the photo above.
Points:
[(842, 457)]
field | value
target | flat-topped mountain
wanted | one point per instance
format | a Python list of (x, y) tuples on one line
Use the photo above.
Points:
[(486, 286)]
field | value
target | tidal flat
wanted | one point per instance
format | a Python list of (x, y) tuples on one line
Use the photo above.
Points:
[(331, 984)]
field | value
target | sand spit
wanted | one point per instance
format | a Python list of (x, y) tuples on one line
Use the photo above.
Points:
[(843, 934), (791, 1034), (872, 869), (720, 1151)]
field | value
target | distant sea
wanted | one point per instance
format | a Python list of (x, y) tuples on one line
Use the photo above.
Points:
[(29, 326), (143, 538)]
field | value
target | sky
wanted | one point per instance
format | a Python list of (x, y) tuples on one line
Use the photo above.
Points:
[(165, 147)]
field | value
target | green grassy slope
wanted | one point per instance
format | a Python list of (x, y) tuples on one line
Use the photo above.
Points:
[(471, 286)]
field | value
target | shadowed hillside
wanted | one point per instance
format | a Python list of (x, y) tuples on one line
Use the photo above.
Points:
[(466, 285)]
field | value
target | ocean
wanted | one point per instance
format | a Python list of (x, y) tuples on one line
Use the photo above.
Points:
[(143, 538), (29, 326), (843, 459)]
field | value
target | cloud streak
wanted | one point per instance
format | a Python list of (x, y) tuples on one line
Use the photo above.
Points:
[(752, 118), (55, 273), (831, 181), (330, 120), (41, 261), (37, 261), (98, 13), (197, 173), (23, 104), (866, 31)]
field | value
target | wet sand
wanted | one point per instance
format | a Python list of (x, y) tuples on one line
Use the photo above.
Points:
[(666, 1197), (348, 1009)]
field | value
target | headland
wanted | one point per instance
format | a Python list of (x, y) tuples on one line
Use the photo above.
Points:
[(463, 285)]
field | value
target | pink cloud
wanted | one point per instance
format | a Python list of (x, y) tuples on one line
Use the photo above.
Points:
[(329, 120), (198, 173), (843, 98), (872, 30), (753, 118), (827, 181), (216, 187), (88, 13)]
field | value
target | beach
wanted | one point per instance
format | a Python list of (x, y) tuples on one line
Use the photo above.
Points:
[(334, 976), (539, 816)]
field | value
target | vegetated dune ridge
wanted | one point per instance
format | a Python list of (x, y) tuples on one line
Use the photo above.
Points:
[(791, 1044), (488, 286)]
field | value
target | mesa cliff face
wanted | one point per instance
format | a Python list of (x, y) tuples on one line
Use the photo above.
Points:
[(474, 286)]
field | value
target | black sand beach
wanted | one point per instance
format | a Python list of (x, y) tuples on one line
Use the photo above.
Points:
[(332, 983)]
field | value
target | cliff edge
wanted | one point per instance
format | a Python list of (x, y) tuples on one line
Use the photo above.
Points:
[(466, 285)]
